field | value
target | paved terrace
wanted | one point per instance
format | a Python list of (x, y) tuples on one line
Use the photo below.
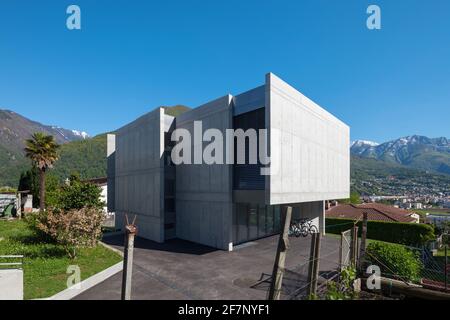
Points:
[(179, 269)]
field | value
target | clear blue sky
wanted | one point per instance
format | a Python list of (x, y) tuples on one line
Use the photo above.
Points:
[(132, 56)]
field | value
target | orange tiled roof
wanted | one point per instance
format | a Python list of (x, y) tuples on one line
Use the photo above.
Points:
[(375, 212)]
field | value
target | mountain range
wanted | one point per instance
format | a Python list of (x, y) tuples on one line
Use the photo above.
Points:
[(78, 153), (414, 152), (423, 160), (14, 130)]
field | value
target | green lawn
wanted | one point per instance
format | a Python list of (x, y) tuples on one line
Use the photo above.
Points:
[(45, 264)]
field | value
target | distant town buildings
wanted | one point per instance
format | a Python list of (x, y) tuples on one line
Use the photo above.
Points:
[(412, 202)]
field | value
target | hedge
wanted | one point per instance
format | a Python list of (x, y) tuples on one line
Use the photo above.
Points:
[(410, 234), (395, 259)]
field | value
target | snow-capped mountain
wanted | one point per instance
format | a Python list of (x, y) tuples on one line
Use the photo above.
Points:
[(363, 147), (364, 143), (81, 134), (415, 151), (14, 129), (70, 135)]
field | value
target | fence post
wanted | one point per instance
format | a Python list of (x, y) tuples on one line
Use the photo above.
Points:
[(362, 252), (446, 268), (354, 246), (313, 270), (280, 258), (341, 253), (130, 233)]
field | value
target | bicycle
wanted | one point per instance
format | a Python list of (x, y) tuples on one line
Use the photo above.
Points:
[(302, 227), (307, 227), (294, 229)]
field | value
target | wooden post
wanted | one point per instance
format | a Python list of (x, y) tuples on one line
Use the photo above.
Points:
[(280, 258), (314, 256), (312, 251), (354, 246), (446, 268), (130, 233), (341, 253), (362, 252), (19, 205)]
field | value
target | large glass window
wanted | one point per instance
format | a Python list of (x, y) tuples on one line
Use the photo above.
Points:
[(248, 176), (251, 222), (277, 218), (169, 205), (269, 220), (242, 223), (262, 221)]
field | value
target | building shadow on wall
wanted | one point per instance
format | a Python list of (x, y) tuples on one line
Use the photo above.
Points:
[(173, 245)]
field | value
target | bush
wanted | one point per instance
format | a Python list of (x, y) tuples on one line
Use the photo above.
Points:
[(73, 228), (410, 234), (342, 290), (78, 195), (75, 195), (395, 259)]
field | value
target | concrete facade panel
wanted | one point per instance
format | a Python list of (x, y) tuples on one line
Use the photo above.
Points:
[(308, 145), (139, 174), (204, 192)]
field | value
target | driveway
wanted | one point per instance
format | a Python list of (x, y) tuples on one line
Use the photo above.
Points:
[(180, 269)]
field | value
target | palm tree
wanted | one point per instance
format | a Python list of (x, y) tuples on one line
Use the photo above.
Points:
[(42, 150)]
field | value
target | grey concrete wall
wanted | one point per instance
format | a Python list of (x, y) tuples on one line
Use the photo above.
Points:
[(111, 171), (204, 192), (313, 211), (139, 174), (308, 145)]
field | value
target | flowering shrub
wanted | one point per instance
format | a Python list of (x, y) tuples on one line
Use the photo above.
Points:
[(72, 228)]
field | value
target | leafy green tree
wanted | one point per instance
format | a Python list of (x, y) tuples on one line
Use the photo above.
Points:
[(78, 195), (29, 181), (52, 190), (42, 150), (354, 198)]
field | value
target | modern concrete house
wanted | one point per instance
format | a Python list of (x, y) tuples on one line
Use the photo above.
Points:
[(221, 205)]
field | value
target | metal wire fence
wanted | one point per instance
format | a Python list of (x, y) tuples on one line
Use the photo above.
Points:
[(426, 270), (297, 280)]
